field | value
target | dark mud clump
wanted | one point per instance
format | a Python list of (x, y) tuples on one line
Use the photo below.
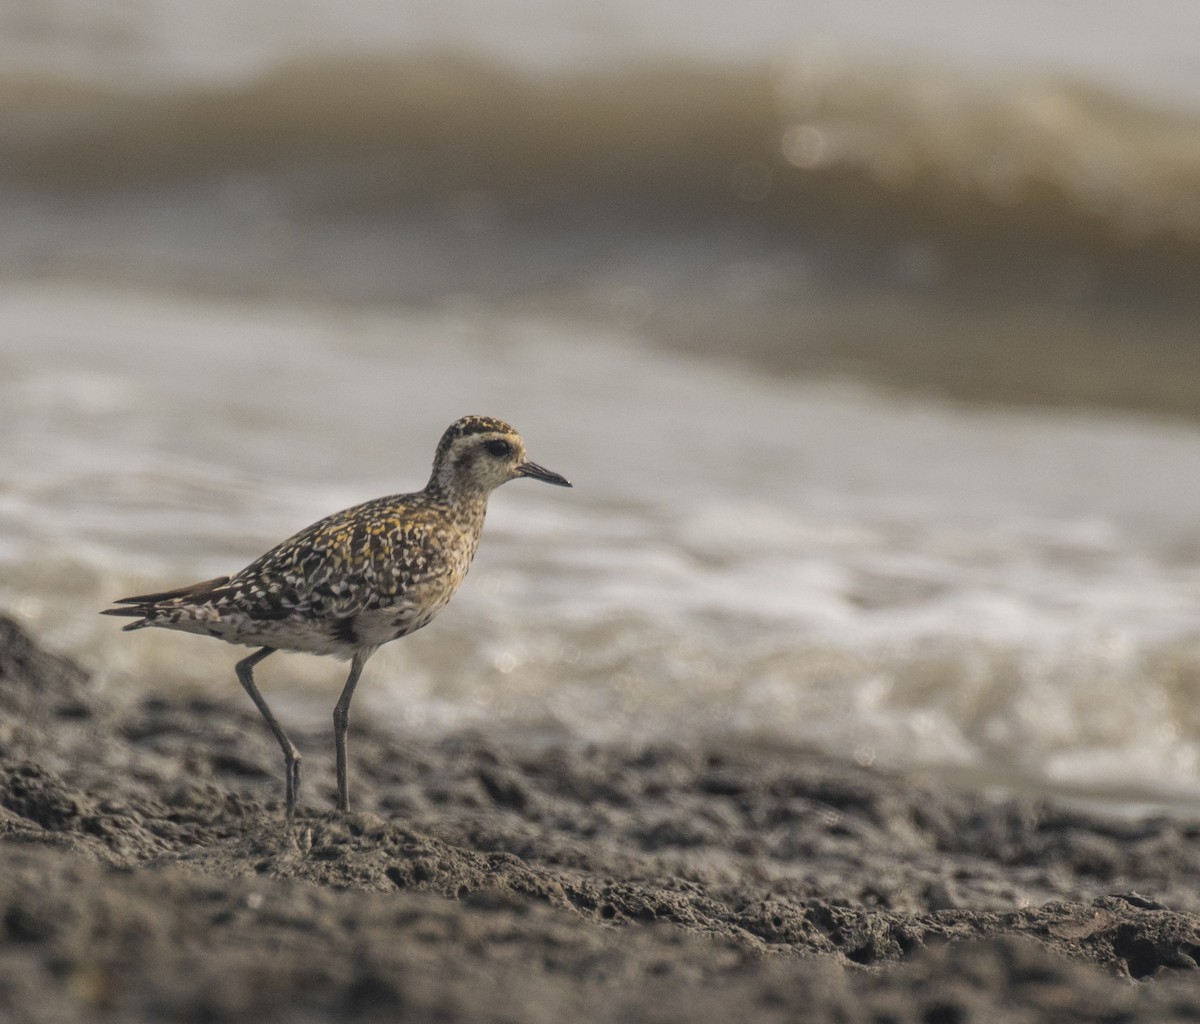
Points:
[(146, 873)]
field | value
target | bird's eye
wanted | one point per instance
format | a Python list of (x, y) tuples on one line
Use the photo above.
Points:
[(498, 448)]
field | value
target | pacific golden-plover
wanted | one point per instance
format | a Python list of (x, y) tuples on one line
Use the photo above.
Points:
[(354, 580)]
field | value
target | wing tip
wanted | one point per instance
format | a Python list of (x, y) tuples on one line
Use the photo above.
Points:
[(140, 613)]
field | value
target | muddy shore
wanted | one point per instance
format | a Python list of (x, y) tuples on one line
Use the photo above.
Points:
[(146, 873)]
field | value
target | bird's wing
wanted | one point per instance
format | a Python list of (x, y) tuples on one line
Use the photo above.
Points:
[(343, 565)]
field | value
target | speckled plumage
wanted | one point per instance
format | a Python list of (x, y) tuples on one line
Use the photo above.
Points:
[(356, 579)]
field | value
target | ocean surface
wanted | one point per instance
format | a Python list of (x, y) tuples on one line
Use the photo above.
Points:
[(868, 334)]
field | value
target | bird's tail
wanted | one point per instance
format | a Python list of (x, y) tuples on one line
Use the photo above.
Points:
[(145, 607)]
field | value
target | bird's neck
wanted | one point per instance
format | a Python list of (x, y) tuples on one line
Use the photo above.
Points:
[(467, 505)]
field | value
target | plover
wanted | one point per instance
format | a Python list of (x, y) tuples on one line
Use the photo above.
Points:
[(354, 580)]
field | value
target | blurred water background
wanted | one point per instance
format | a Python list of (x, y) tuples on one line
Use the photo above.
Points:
[(867, 332)]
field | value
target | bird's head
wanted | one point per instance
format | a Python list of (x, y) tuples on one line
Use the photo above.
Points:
[(478, 453)]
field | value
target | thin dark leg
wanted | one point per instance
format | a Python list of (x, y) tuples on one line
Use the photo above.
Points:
[(291, 756), (341, 722)]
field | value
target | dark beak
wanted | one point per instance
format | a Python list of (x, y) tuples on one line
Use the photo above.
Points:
[(532, 469)]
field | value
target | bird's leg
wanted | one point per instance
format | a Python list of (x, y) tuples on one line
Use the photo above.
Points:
[(291, 756), (341, 722)]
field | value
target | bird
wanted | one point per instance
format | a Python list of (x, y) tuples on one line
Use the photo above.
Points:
[(354, 580)]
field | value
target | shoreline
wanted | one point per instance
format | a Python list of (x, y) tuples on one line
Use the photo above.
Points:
[(146, 873)]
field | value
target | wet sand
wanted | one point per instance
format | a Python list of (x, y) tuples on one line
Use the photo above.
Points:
[(146, 873)]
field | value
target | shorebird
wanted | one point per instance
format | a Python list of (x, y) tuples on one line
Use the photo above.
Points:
[(354, 580)]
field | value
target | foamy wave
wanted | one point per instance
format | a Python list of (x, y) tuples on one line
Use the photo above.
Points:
[(822, 145), (1019, 145)]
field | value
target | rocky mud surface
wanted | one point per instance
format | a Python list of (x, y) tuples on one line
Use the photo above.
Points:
[(147, 873)]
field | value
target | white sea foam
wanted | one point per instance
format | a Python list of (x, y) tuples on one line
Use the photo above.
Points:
[(894, 580)]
